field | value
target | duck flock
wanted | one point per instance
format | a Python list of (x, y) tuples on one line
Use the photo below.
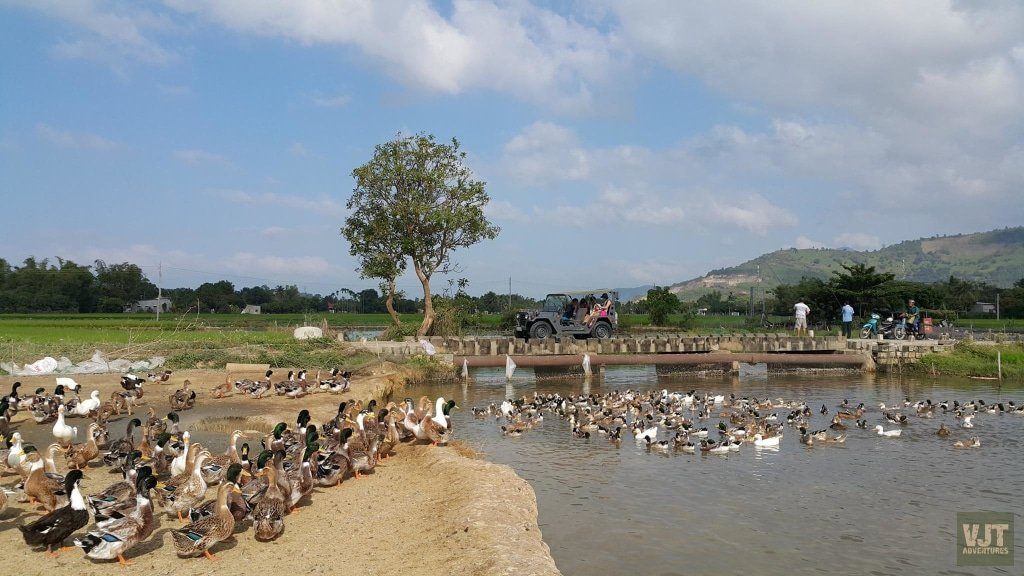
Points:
[(689, 422), (211, 493)]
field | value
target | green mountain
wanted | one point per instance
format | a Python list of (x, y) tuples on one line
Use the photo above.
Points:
[(996, 257)]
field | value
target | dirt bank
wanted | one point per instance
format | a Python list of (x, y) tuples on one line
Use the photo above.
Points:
[(425, 511)]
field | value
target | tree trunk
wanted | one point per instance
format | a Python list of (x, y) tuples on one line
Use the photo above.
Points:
[(389, 303), (428, 304)]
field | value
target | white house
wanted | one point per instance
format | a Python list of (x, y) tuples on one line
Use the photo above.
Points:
[(251, 309), (161, 304)]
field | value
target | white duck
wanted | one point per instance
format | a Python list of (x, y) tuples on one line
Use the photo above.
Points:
[(888, 433), (16, 451), (720, 449), (759, 440), (62, 432), (84, 407), (967, 421), (69, 383), (439, 416), (412, 424), (649, 433), (178, 464)]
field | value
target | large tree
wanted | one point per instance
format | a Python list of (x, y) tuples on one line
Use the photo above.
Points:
[(415, 199), (660, 303)]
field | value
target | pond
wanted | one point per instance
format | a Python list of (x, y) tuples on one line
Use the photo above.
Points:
[(871, 506)]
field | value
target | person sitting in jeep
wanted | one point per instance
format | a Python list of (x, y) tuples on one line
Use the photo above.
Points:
[(570, 311), (601, 308)]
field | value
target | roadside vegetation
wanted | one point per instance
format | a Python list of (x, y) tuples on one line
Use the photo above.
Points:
[(978, 360)]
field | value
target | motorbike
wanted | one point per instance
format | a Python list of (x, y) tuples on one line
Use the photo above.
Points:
[(910, 329), (890, 328)]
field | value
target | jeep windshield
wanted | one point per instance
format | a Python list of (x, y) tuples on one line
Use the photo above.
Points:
[(555, 302)]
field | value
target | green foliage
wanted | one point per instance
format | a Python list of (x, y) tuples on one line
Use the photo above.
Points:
[(416, 199), (661, 303), (968, 359)]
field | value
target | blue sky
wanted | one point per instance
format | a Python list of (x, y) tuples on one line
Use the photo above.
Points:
[(623, 143)]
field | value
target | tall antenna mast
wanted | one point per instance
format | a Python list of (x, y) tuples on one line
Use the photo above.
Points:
[(159, 288)]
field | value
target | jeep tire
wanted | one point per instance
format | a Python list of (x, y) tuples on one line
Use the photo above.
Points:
[(541, 330), (602, 330)]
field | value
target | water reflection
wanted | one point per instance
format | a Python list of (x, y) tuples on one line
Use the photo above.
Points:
[(873, 505)]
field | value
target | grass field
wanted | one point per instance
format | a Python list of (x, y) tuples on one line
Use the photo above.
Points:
[(212, 339), (186, 341), (977, 360)]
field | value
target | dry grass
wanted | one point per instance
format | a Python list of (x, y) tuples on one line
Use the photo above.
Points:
[(228, 424)]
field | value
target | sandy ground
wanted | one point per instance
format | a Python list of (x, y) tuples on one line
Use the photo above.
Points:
[(424, 511)]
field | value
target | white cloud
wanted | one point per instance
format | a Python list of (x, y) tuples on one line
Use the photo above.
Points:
[(244, 268), (858, 241), (803, 242), (196, 157), (275, 232), (298, 149), (337, 101), (503, 210), (651, 271), (869, 58), (321, 205), (112, 33), (80, 140), (755, 214), (280, 266), (513, 47)]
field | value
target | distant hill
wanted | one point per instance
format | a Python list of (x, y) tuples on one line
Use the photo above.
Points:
[(627, 294), (996, 257)]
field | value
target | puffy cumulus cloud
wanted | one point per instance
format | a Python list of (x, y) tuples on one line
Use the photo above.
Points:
[(504, 210), (79, 140), (803, 242), (514, 47), (634, 184), (545, 152), (781, 168), (873, 58), (754, 213)]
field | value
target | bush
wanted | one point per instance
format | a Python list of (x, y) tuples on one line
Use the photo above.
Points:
[(449, 319), (400, 332), (508, 319)]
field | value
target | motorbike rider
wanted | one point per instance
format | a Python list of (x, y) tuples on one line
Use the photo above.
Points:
[(914, 316)]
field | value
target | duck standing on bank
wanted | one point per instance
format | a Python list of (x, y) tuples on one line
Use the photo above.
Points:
[(53, 528)]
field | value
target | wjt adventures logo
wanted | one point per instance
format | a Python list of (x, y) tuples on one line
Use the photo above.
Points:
[(984, 539)]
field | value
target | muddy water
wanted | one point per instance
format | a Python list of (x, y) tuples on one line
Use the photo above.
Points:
[(873, 506)]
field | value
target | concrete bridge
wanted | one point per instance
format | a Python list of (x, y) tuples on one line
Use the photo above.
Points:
[(660, 344), (670, 352)]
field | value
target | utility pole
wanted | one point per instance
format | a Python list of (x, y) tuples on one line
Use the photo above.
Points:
[(159, 289), (509, 292), (997, 305)]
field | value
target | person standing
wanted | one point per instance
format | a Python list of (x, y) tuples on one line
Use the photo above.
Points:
[(847, 311), (800, 311), (914, 316)]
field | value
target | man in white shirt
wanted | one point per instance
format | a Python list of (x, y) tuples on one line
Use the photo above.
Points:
[(801, 311), (847, 311)]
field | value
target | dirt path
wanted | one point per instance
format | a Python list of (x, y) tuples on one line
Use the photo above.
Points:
[(425, 511)]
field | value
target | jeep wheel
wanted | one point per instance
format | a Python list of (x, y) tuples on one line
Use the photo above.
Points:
[(540, 330), (602, 330)]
